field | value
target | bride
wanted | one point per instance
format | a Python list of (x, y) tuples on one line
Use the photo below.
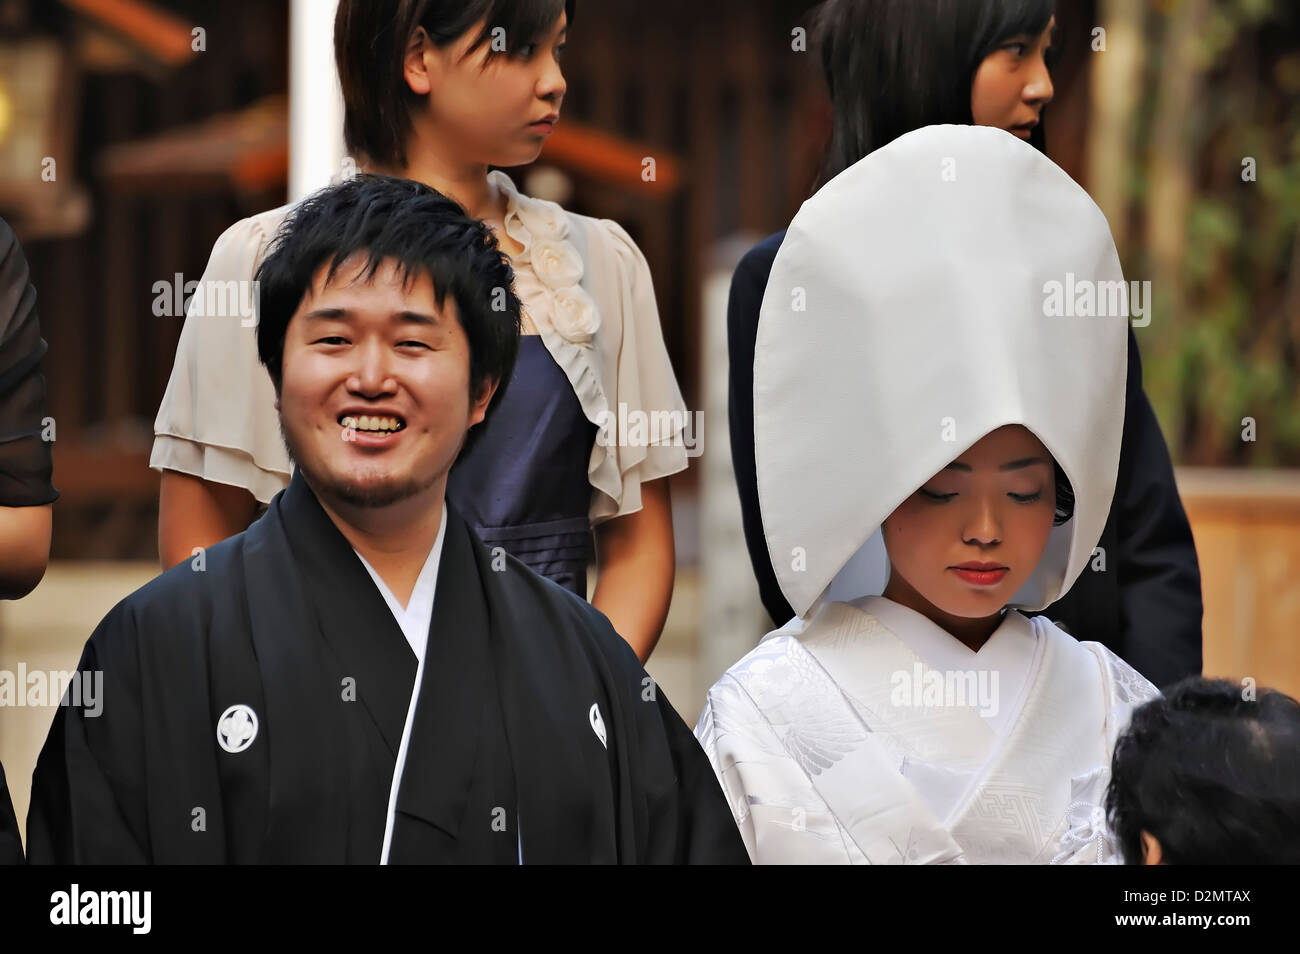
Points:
[(908, 542)]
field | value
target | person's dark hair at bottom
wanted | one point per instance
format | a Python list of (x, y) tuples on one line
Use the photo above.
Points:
[(1209, 774)]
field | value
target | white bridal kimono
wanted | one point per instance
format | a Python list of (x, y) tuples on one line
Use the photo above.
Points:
[(820, 765), (903, 321)]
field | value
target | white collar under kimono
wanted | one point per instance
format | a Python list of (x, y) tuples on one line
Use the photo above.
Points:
[(416, 616), (1006, 656), (823, 763), (415, 621), (1000, 674)]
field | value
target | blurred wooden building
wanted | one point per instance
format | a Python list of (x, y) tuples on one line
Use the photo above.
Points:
[(91, 80), (162, 140)]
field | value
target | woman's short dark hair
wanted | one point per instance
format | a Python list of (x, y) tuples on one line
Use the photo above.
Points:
[(1212, 772), (418, 229), (370, 40), (892, 66)]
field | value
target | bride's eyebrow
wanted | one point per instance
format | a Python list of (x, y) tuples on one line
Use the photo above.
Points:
[(1023, 462), (1012, 465)]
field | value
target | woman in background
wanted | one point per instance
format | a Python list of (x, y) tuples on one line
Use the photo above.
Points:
[(987, 63), (440, 92)]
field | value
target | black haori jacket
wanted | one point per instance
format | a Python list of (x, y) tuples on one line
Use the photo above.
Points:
[(11, 846), (253, 709)]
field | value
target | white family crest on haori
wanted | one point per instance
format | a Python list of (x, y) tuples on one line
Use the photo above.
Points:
[(920, 329), (237, 728), (597, 724)]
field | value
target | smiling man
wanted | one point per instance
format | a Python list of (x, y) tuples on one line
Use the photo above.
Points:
[(356, 678)]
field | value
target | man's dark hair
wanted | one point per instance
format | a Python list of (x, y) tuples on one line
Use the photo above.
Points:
[(370, 40), (892, 66), (419, 230), (1212, 776)]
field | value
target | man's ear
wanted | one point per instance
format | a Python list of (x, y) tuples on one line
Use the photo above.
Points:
[(418, 68), (1150, 849), (479, 404)]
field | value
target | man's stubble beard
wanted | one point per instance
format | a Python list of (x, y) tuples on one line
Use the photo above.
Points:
[(385, 494)]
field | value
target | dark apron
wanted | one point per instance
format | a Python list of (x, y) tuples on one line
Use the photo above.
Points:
[(522, 485)]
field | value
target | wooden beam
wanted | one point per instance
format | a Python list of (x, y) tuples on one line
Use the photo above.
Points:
[(86, 472), (162, 35), (612, 160), (247, 151)]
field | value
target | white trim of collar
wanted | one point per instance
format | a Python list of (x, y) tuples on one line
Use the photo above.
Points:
[(414, 618), (1009, 651), (395, 785)]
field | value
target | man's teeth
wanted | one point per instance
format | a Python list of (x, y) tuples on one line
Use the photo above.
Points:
[(367, 423)]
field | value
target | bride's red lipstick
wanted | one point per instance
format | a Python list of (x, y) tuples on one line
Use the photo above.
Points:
[(981, 574)]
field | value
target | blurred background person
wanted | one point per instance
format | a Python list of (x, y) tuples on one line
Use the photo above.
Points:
[(25, 465)]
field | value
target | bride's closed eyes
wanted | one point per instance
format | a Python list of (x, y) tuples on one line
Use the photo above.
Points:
[(944, 498)]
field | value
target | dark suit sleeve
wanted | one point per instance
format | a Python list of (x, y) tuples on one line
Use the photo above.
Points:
[(695, 810), (11, 846), (1159, 578), (88, 802), (25, 457), (747, 287), (667, 806)]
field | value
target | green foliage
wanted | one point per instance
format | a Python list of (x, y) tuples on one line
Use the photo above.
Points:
[(1233, 351)]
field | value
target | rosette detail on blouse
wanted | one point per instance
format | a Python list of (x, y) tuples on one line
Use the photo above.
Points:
[(549, 270)]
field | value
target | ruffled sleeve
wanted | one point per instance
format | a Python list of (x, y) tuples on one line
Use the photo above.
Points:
[(647, 431), (218, 420)]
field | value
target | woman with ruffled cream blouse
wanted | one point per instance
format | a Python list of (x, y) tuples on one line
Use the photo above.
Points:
[(440, 93)]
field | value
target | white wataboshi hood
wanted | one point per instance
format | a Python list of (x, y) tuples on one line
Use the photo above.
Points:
[(907, 316)]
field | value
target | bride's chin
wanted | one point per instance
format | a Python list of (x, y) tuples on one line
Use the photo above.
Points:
[(973, 606)]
